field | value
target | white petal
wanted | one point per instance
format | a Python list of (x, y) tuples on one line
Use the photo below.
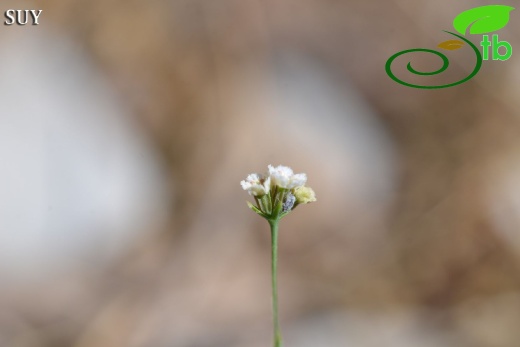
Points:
[(267, 184), (280, 170), (254, 177), (297, 180), (245, 185)]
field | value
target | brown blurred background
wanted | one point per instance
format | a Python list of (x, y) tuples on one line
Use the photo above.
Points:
[(126, 127)]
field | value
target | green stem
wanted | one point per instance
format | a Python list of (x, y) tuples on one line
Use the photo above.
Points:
[(274, 271)]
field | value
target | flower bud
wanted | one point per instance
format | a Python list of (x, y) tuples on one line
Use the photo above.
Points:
[(304, 195)]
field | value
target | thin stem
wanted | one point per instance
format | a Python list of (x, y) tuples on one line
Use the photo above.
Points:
[(274, 271)]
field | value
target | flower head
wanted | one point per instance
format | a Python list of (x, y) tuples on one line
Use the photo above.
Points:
[(278, 192), (256, 184), (283, 177)]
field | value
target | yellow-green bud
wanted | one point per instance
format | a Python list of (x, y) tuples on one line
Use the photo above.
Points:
[(304, 195)]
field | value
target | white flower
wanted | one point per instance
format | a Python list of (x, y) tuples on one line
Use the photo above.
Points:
[(256, 185), (284, 177)]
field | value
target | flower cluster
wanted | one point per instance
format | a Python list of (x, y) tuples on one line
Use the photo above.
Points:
[(278, 192)]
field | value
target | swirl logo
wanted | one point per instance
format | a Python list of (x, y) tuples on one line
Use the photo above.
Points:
[(479, 20)]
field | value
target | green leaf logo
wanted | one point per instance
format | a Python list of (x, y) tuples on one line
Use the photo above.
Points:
[(483, 19)]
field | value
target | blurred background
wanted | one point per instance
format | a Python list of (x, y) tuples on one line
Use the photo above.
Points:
[(126, 126)]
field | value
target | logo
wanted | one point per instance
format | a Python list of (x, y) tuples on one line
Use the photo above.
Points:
[(479, 21)]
